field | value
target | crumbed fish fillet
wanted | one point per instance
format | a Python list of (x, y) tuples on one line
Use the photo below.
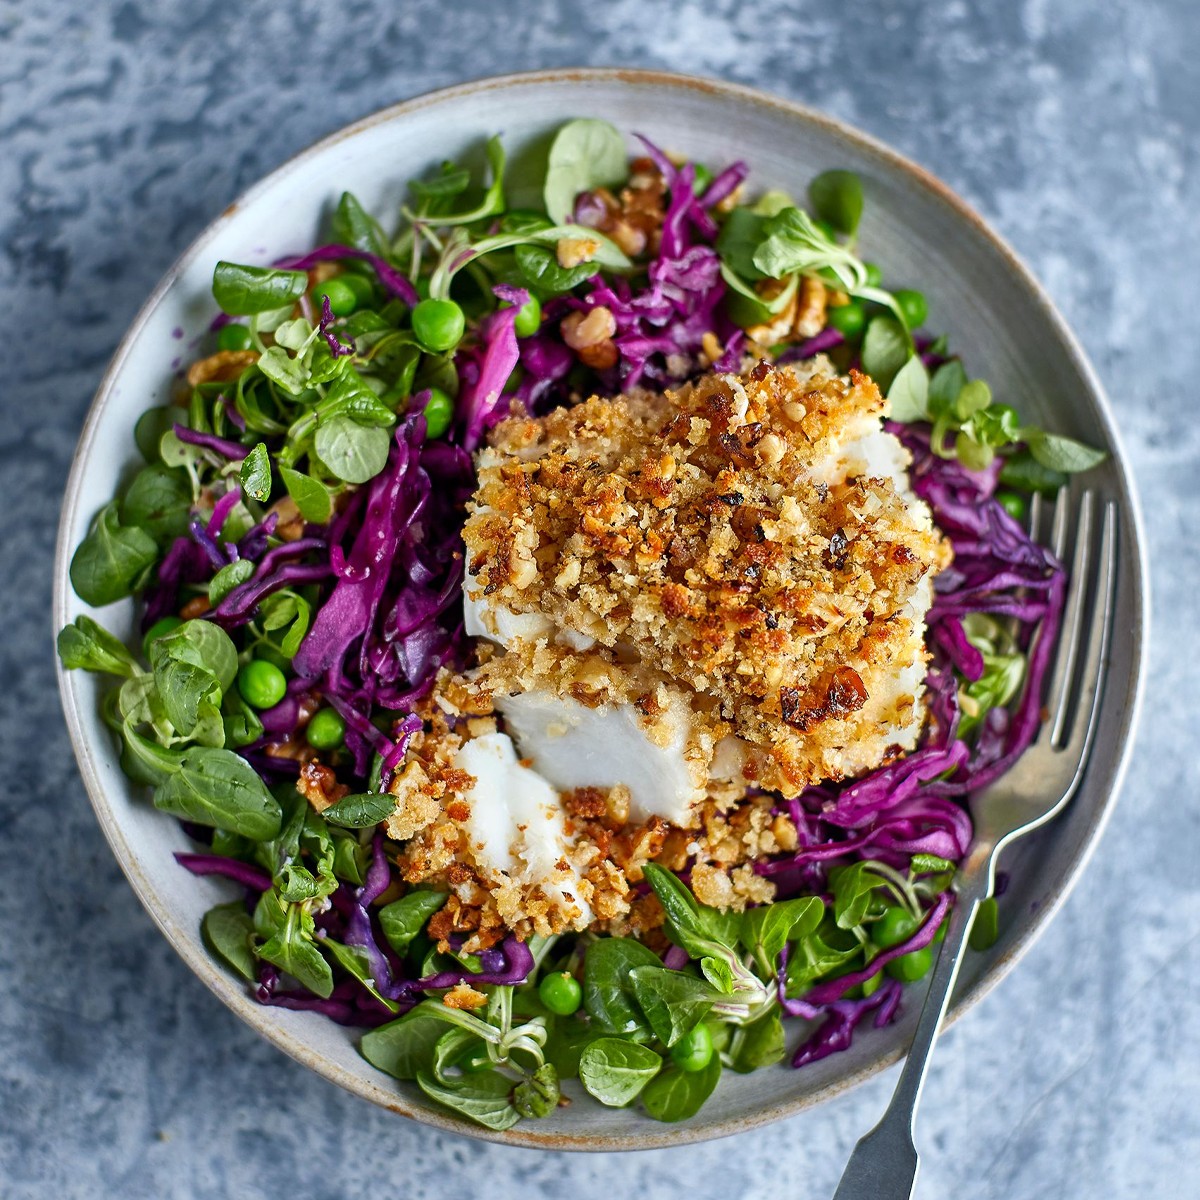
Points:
[(749, 540)]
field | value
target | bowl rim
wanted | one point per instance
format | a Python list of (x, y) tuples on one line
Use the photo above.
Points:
[(654, 1136)]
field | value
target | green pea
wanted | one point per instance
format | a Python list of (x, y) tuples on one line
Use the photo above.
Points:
[(160, 628), (439, 412), (693, 1051), (326, 730), (360, 285), (560, 992), (234, 337), (1012, 503), (895, 926), (702, 179), (847, 319), (874, 274), (913, 306), (908, 968), (343, 299), (262, 684), (529, 317), (438, 324)]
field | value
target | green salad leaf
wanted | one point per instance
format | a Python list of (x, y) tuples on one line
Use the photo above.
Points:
[(585, 154), (676, 1095), (837, 197), (615, 1071), (608, 986), (243, 291), (112, 559), (361, 811), (228, 930)]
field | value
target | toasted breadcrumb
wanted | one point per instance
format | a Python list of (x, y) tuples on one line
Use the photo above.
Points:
[(463, 995), (722, 532)]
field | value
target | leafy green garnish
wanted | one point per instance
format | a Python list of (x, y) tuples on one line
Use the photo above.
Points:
[(540, 271), (230, 576), (112, 559), (353, 226), (1003, 671), (1057, 452), (585, 154), (886, 348), (485, 1099), (404, 1048), (673, 1002), (909, 391), (837, 197), (255, 474), (242, 291), (759, 1044), (792, 244), (711, 938), (293, 949), (615, 1071), (986, 928), (312, 497), (216, 787), (676, 1095), (352, 452), (769, 927), (538, 1093), (608, 987), (361, 811), (403, 919), (1023, 472), (158, 501), (88, 646), (228, 929)]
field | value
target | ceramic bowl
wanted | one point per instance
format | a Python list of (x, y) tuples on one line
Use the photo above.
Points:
[(979, 293)]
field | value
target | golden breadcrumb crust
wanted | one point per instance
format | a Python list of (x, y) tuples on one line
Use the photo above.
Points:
[(695, 529)]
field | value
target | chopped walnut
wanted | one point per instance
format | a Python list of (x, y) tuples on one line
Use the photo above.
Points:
[(590, 336), (810, 308), (222, 367), (319, 786), (572, 251)]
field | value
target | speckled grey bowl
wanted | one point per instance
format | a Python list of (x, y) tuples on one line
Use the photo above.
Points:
[(979, 293)]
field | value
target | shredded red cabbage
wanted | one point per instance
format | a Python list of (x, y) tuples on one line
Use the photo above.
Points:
[(325, 326), (483, 372), (234, 451), (842, 1017), (217, 864)]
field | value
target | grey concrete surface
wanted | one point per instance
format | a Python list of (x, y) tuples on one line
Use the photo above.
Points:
[(125, 127)]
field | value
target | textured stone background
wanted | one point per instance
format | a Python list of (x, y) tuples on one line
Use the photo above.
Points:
[(125, 127)]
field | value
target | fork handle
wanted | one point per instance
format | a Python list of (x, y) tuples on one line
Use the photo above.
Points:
[(884, 1163)]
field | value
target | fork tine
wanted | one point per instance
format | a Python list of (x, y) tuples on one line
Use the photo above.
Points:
[(1095, 662), (1035, 515), (1058, 531), (1059, 696)]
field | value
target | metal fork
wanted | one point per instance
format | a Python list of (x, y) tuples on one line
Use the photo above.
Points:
[(885, 1161)]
